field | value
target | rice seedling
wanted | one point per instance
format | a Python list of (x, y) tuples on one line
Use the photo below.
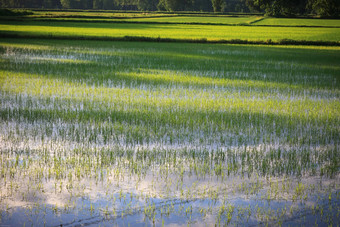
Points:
[(118, 133)]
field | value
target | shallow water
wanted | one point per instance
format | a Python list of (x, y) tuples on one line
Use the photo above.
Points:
[(127, 134)]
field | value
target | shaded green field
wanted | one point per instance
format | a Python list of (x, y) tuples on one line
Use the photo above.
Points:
[(299, 22), (192, 32)]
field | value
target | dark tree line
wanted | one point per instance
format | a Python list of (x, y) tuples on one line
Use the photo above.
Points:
[(326, 8)]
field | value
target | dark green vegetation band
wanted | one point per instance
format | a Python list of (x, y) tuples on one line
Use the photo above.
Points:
[(120, 20), (324, 8)]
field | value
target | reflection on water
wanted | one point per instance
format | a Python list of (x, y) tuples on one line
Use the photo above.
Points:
[(89, 187), (130, 210)]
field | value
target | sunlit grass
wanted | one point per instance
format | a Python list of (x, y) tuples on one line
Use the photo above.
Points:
[(299, 22), (211, 32)]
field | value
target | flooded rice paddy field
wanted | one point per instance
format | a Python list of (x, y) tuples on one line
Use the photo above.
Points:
[(143, 134)]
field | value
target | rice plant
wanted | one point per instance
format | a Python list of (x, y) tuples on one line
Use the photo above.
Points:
[(119, 133)]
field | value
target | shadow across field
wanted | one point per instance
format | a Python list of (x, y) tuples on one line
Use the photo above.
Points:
[(307, 68)]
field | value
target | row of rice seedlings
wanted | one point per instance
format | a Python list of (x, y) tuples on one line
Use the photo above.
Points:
[(250, 63), (143, 110), (277, 190), (80, 137)]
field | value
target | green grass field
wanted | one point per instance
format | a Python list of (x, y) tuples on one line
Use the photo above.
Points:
[(164, 17), (135, 133), (299, 22), (227, 20), (174, 31)]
